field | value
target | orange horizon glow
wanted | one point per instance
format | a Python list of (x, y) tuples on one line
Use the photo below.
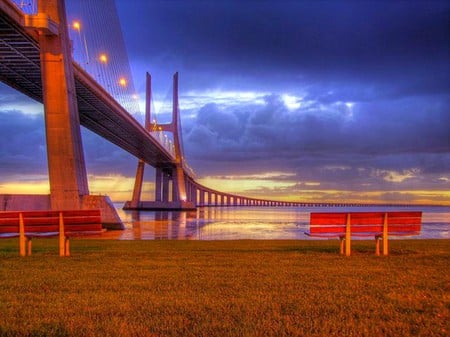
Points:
[(119, 188)]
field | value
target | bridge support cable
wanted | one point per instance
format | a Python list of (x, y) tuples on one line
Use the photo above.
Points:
[(99, 48)]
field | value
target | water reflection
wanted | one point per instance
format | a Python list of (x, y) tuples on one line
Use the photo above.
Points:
[(234, 223)]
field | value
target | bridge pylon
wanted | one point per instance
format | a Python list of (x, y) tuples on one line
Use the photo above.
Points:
[(66, 166), (170, 180)]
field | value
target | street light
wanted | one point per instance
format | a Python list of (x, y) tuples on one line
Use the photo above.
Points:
[(103, 58), (76, 25), (123, 82)]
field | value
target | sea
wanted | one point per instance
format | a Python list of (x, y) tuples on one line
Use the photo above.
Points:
[(255, 223)]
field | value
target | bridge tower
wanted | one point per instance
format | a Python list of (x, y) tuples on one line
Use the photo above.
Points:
[(165, 176), (67, 170)]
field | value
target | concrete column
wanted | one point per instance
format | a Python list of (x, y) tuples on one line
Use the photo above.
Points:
[(158, 183), (67, 170), (188, 189), (193, 194), (202, 198), (138, 184), (176, 186), (165, 187)]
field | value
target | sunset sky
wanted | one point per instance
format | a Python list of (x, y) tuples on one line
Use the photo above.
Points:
[(287, 100)]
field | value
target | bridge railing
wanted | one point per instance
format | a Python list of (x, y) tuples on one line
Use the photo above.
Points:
[(162, 138)]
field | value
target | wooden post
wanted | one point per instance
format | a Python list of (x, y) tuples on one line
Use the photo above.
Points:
[(29, 246), (67, 247), (385, 234), (348, 234), (341, 245), (22, 251), (62, 238), (377, 245)]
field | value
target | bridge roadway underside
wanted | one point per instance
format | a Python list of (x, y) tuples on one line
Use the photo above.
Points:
[(99, 112)]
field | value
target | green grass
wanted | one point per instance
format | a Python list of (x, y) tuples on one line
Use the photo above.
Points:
[(225, 288)]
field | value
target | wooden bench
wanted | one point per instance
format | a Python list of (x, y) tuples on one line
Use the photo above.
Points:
[(377, 224), (30, 224)]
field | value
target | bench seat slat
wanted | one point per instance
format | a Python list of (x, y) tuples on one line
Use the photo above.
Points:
[(9, 228)]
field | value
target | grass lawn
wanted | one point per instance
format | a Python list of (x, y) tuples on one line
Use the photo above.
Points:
[(225, 288)]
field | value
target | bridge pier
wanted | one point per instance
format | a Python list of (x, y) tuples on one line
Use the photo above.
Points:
[(67, 170)]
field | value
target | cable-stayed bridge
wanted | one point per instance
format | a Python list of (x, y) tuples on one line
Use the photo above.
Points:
[(37, 58)]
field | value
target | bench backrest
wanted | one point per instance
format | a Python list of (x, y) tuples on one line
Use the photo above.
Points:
[(48, 221), (366, 222)]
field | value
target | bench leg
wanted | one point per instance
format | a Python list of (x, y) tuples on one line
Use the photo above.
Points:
[(341, 245), (29, 246), (377, 245), (67, 247), (22, 245), (348, 234), (385, 245), (22, 239), (385, 234)]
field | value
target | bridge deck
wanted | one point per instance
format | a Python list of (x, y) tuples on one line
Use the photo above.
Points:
[(99, 112)]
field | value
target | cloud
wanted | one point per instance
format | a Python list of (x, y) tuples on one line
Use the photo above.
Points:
[(389, 144), (271, 44), (23, 150), (381, 128)]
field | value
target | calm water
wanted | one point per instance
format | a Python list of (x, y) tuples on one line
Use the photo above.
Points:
[(269, 223)]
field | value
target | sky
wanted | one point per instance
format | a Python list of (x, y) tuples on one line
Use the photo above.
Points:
[(338, 101)]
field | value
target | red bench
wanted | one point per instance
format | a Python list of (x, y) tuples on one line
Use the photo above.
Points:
[(377, 224), (30, 224)]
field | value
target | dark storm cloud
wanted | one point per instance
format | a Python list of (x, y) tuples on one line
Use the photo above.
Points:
[(23, 144), (105, 158), (385, 135), (376, 42), (409, 126), (23, 150)]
